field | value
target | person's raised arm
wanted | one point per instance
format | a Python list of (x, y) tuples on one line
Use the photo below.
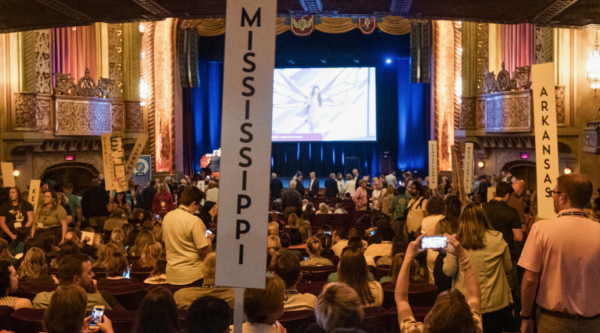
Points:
[(401, 292), (471, 283), (6, 229)]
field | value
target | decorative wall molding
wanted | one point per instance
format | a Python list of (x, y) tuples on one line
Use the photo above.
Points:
[(43, 161), (133, 117), (153, 7), (115, 60), (482, 55), (43, 66), (118, 116), (561, 110), (82, 116), (25, 111), (43, 114), (498, 112), (61, 7), (148, 74), (554, 9), (544, 44), (468, 113), (164, 94)]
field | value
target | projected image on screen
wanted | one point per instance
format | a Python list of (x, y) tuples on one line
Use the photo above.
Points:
[(324, 104)]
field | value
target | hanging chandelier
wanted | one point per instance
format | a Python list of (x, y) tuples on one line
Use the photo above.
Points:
[(593, 66)]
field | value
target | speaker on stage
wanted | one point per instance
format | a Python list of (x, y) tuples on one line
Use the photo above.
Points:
[(352, 163)]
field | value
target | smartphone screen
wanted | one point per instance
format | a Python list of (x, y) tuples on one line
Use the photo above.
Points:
[(305, 258), (126, 273), (372, 232), (157, 217), (328, 232), (208, 232), (97, 314), (434, 242)]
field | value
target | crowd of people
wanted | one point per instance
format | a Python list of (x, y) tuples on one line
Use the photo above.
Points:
[(502, 268)]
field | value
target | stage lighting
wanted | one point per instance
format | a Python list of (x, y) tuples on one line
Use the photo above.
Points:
[(324, 61), (388, 61), (357, 60), (291, 61)]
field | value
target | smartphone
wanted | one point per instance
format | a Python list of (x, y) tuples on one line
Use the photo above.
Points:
[(305, 258), (208, 232), (126, 273), (97, 315), (372, 232), (327, 232), (434, 242), (157, 217)]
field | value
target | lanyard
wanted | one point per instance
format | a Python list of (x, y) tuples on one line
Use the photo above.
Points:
[(573, 214)]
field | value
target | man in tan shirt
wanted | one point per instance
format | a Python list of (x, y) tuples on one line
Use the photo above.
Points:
[(561, 257)]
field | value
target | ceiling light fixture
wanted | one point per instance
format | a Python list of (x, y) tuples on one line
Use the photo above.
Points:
[(593, 66)]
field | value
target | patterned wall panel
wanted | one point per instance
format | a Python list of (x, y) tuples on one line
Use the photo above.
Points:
[(164, 94), (115, 60), (118, 116), (482, 54), (82, 116), (25, 111), (133, 117), (43, 114), (43, 67)]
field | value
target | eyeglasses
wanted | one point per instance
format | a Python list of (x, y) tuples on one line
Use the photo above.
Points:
[(554, 192)]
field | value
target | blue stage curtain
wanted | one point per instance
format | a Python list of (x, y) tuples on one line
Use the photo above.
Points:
[(205, 101), (413, 120)]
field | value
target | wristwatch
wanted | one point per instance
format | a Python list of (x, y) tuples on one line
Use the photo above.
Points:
[(524, 317)]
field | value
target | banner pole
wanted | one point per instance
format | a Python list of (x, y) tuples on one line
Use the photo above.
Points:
[(238, 310)]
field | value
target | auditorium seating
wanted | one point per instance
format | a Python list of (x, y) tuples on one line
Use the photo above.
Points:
[(129, 296), (382, 270), (419, 294), (5, 322), (28, 320), (140, 273), (292, 320), (335, 260), (317, 273), (314, 288), (376, 316)]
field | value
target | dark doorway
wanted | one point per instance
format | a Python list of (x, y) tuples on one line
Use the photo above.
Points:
[(525, 172), (79, 174)]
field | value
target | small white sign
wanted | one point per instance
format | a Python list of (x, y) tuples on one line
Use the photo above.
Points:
[(7, 174), (433, 165), (468, 167)]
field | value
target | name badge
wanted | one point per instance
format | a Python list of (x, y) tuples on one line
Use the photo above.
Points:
[(18, 225)]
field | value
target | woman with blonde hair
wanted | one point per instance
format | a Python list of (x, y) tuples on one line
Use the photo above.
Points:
[(490, 257), (273, 247), (378, 194), (143, 238), (339, 307), (386, 201), (158, 233), (103, 253), (53, 217), (305, 231), (117, 237), (159, 273), (34, 267), (262, 307), (150, 253), (292, 229), (116, 266), (314, 249), (323, 209), (354, 272)]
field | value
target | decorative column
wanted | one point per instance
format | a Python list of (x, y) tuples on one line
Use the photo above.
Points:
[(147, 69)]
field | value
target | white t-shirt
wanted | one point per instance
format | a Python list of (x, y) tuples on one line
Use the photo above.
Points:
[(416, 213), (339, 247), (212, 194), (184, 235)]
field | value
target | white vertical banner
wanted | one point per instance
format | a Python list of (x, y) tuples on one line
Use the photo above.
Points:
[(468, 167), (246, 143), (546, 138), (34, 194), (491, 193), (433, 165), (7, 174)]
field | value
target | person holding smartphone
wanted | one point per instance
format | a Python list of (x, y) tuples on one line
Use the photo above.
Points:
[(66, 312)]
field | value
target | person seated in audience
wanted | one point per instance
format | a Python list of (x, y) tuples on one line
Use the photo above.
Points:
[(4, 254), (415, 271), (452, 312), (116, 220), (273, 229), (157, 231), (105, 252), (67, 248), (159, 273), (77, 269), (353, 271), (157, 313), (326, 244), (359, 243), (339, 209), (399, 245), (9, 282), (117, 237), (83, 245), (304, 204), (150, 254), (305, 232), (50, 251), (314, 249), (141, 240), (34, 267), (285, 245), (287, 268), (66, 312), (274, 250), (208, 314), (323, 209), (340, 240), (292, 230), (339, 309), (127, 233), (116, 268), (385, 248), (354, 243), (262, 307), (275, 218), (186, 296), (353, 233)]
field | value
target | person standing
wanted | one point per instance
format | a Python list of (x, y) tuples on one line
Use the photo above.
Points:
[(292, 198), (350, 186), (331, 187), (398, 209), (562, 264), (341, 186), (132, 196), (300, 186), (186, 243), (416, 209), (163, 200), (516, 199), (360, 197), (484, 183), (357, 178), (93, 204), (391, 179), (53, 217), (74, 203), (313, 189), (148, 196), (15, 213), (276, 186)]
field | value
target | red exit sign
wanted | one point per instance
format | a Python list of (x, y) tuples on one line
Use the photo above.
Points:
[(69, 157)]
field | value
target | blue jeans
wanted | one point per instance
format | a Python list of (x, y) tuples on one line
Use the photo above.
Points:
[(551, 324)]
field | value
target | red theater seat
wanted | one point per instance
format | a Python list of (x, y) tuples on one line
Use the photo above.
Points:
[(376, 316), (122, 321), (141, 273), (335, 260), (5, 321), (314, 288), (316, 273), (129, 296), (292, 320), (32, 290), (419, 294), (28, 320)]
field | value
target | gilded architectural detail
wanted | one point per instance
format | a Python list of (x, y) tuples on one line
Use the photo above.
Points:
[(118, 116), (590, 139), (133, 117), (43, 113), (164, 94), (482, 54), (64, 84), (43, 161), (43, 66), (480, 113), (115, 60), (561, 113), (468, 115), (507, 112), (520, 80), (82, 116), (25, 111)]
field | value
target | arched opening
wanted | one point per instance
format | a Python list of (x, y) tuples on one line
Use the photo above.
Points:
[(524, 170), (78, 174)]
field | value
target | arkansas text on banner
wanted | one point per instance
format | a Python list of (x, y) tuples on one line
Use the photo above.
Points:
[(246, 142), (433, 167), (546, 140)]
